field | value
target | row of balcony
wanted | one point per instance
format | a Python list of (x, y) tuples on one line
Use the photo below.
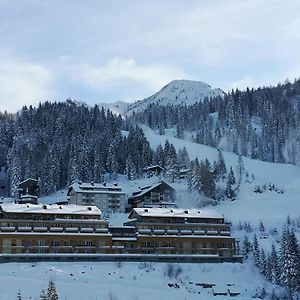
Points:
[(53, 229), (183, 232)]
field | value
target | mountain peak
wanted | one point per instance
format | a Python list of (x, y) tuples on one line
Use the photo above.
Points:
[(178, 92)]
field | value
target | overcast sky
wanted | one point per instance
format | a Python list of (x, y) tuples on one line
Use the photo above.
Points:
[(104, 51)]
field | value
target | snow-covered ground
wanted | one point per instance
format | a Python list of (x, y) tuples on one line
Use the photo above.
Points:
[(269, 206), (127, 281)]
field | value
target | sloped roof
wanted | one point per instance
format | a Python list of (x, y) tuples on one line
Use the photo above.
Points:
[(148, 189)]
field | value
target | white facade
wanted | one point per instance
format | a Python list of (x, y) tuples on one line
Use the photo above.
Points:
[(106, 198)]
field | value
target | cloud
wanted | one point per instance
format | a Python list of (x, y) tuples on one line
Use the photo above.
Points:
[(120, 71), (111, 50), (22, 83)]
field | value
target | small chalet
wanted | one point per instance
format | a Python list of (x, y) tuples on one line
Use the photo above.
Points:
[(108, 198), (153, 170), (160, 194), (28, 191)]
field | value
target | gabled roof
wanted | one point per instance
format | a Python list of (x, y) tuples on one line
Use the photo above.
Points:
[(176, 213), (50, 209), (147, 189), (149, 168), (28, 180)]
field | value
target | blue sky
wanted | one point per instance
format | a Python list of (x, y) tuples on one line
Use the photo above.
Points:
[(104, 51)]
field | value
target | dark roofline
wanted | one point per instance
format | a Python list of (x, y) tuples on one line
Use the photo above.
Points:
[(28, 179)]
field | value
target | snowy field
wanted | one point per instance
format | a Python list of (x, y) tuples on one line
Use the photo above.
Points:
[(132, 281)]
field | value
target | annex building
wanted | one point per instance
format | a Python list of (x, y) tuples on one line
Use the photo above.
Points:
[(108, 198)]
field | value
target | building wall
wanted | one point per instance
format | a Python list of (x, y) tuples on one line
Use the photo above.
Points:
[(159, 194), (104, 243), (54, 243), (106, 202)]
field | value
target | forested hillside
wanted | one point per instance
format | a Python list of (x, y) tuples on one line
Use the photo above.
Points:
[(262, 124), (60, 142)]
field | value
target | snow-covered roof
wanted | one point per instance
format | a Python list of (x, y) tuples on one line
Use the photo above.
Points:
[(50, 209), (85, 187), (153, 167), (146, 190), (177, 213)]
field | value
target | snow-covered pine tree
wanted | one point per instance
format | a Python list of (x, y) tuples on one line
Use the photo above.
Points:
[(261, 226), (246, 247), (274, 266), (263, 262), (229, 192), (240, 169), (256, 252), (221, 166), (52, 291), (43, 295), (207, 179), (231, 177), (183, 158), (130, 170), (196, 184), (289, 260), (159, 157), (172, 167)]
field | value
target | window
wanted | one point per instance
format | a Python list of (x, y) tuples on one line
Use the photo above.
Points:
[(41, 243), (55, 243)]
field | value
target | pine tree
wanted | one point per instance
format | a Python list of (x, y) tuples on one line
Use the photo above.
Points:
[(231, 177), (263, 262), (246, 247), (240, 169), (172, 167), (207, 179), (221, 166), (289, 260), (130, 169), (261, 226), (229, 192), (52, 293), (43, 295), (196, 184), (256, 252), (274, 266)]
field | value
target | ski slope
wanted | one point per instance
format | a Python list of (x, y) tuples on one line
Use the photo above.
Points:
[(271, 207)]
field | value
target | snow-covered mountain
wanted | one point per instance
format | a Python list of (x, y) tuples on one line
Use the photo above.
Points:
[(178, 92), (174, 93), (118, 107)]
